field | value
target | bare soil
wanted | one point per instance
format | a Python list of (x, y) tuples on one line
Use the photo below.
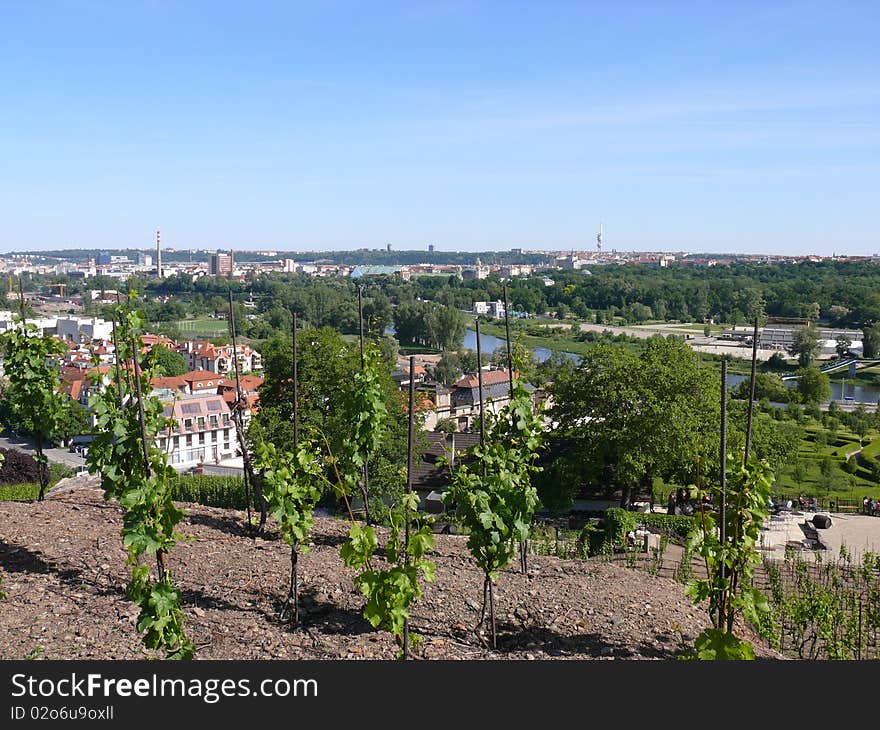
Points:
[(63, 570)]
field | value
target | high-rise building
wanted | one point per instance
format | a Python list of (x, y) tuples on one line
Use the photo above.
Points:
[(104, 258), (222, 264)]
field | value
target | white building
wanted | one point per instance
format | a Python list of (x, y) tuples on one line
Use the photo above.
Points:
[(493, 309), (203, 431), (84, 329)]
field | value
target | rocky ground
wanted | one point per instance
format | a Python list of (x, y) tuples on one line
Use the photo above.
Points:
[(64, 575)]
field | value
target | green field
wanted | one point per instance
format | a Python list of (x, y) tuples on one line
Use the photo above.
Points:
[(203, 327)]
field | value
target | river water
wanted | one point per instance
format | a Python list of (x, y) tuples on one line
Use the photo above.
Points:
[(859, 393), (490, 343)]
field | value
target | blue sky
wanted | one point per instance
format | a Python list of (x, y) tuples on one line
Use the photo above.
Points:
[(700, 126)]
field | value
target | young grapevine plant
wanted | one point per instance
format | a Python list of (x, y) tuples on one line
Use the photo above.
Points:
[(729, 587), (136, 473), (390, 591), (292, 484), (493, 496)]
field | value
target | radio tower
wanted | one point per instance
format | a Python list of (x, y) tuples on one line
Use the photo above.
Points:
[(158, 255), (599, 239)]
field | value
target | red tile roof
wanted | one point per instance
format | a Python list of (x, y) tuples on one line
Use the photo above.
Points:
[(490, 377)]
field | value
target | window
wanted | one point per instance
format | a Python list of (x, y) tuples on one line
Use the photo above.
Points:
[(214, 421), (188, 424), (201, 423), (189, 439), (226, 419)]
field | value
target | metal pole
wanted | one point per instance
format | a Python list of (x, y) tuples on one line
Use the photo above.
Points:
[(509, 352), (293, 597), (723, 455), (361, 321), (366, 468), (295, 389), (751, 392), (480, 391), (409, 471), (523, 546), (160, 554), (236, 415), (118, 366)]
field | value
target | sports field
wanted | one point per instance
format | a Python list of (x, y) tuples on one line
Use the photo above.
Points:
[(203, 327)]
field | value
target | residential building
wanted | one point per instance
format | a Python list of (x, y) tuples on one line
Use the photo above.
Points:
[(83, 329), (203, 431), (202, 355)]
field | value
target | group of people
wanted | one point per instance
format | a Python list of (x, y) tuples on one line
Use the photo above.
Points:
[(802, 503), (870, 506), (680, 503)]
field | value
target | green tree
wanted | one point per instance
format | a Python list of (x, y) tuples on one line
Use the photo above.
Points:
[(813, 385), (767, 385), (448, 368), (826, 469), (74, 421), (34, 403), (468, 361), (633, 417), (164, 362), (799, 472), (843, 343), (871, 340), (805, 346)]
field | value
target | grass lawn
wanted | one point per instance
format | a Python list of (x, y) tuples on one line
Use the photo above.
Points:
[(843, 485), (205, 327)]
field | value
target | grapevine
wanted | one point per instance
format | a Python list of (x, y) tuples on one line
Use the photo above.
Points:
[(136, 473), (730, 591), (291, 487), (392, 590), (494, 498)]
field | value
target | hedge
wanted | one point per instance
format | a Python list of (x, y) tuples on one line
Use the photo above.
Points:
[(618, 522), (210, 491)]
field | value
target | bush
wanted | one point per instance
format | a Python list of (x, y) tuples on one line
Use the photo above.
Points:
[(18, 468), (210, 491), (19, 492), (618, 522)]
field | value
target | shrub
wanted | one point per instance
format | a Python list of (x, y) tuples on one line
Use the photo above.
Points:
[(19, 492), (18, 467), (210, 491), (618, 522)]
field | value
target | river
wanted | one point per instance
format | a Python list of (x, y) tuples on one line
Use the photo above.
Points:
[(859, 393), (490, 343)]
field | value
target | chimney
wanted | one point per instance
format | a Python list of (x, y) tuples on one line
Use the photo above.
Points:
[(158, 255)]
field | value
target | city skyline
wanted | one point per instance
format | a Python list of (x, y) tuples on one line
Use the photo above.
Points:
[(748, 129)]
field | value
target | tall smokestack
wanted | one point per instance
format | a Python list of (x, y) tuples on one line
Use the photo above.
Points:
[(158, 255)]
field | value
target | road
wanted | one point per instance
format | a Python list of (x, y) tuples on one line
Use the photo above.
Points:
[(61, 456)]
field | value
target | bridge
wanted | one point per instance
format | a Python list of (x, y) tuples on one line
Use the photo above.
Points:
[(836, 365)]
